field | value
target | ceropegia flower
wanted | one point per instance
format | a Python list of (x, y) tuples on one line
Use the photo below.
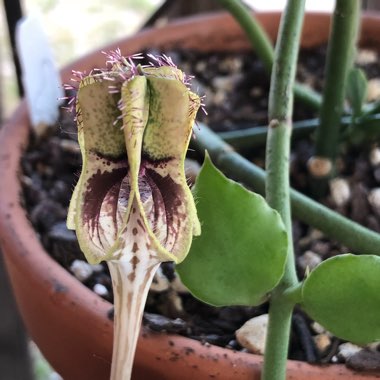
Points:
[(132, 206)]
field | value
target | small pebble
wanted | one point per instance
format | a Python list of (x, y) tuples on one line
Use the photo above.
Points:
[(232, 64), (224, 84), (364, 360), (334, 359), (313, 235), (374, 346), (160, 283), (374, 156), (233, 344), (256, 92), (309, 260), (175, 302), (319, 166), (376, 174), (346, 350), (201, 66), (70, 146), (316, 234), (160, 323), (97, 268), (219, 98), (374, 199), (340, 191), (360, 209), (252, 335), (373, 90), (316, 327), (366, 57), (322, 342), (81, 270), (100, 290), (321, 248), (178, 286)]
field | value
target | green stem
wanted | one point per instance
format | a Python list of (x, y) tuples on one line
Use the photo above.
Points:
[(257, 136), (294, 294), (253, 30), (354, 236), (339, 60), (264, 49), (276, 350), (248, 138), (277, 182)]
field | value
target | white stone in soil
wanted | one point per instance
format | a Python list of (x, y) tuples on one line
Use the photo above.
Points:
[(340, 191), (346, 350), (100, 290), (366, 56), (374, 198), (316, 327), (252, 335), (200, 66), (226, 84), (373, 89), (97, 268), (219, 97), (69, 146), (316, 234), (160, 283), (374, 346), (176, 302), (374, 156), (322, 342), (81, 270), (319, 329), (309, 260), (178, 286), (231, 64)]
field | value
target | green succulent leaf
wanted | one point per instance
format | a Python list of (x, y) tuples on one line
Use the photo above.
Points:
[(343, 295), (356, 90), (240, 256)]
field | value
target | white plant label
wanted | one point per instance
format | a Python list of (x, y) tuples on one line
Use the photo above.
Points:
[(40, 77)]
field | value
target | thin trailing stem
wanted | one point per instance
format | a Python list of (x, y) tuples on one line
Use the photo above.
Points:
[(257, 136), (354, 236), (264, 49), (248, 138), (277, 182), (340, 54)]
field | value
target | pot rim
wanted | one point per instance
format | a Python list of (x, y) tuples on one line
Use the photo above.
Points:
[(16, 230)]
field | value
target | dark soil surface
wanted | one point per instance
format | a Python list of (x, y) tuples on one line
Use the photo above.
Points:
[(236, 88)]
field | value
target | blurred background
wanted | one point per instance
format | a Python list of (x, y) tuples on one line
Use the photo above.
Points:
[(75, 27)]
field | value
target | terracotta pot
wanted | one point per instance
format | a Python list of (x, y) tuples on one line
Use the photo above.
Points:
[(68, 321)]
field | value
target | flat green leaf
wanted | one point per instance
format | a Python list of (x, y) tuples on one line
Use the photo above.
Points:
[(356, 90), (240, 256), (343, 294)]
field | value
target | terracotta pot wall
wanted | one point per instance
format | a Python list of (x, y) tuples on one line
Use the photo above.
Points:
[(68, 321)]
